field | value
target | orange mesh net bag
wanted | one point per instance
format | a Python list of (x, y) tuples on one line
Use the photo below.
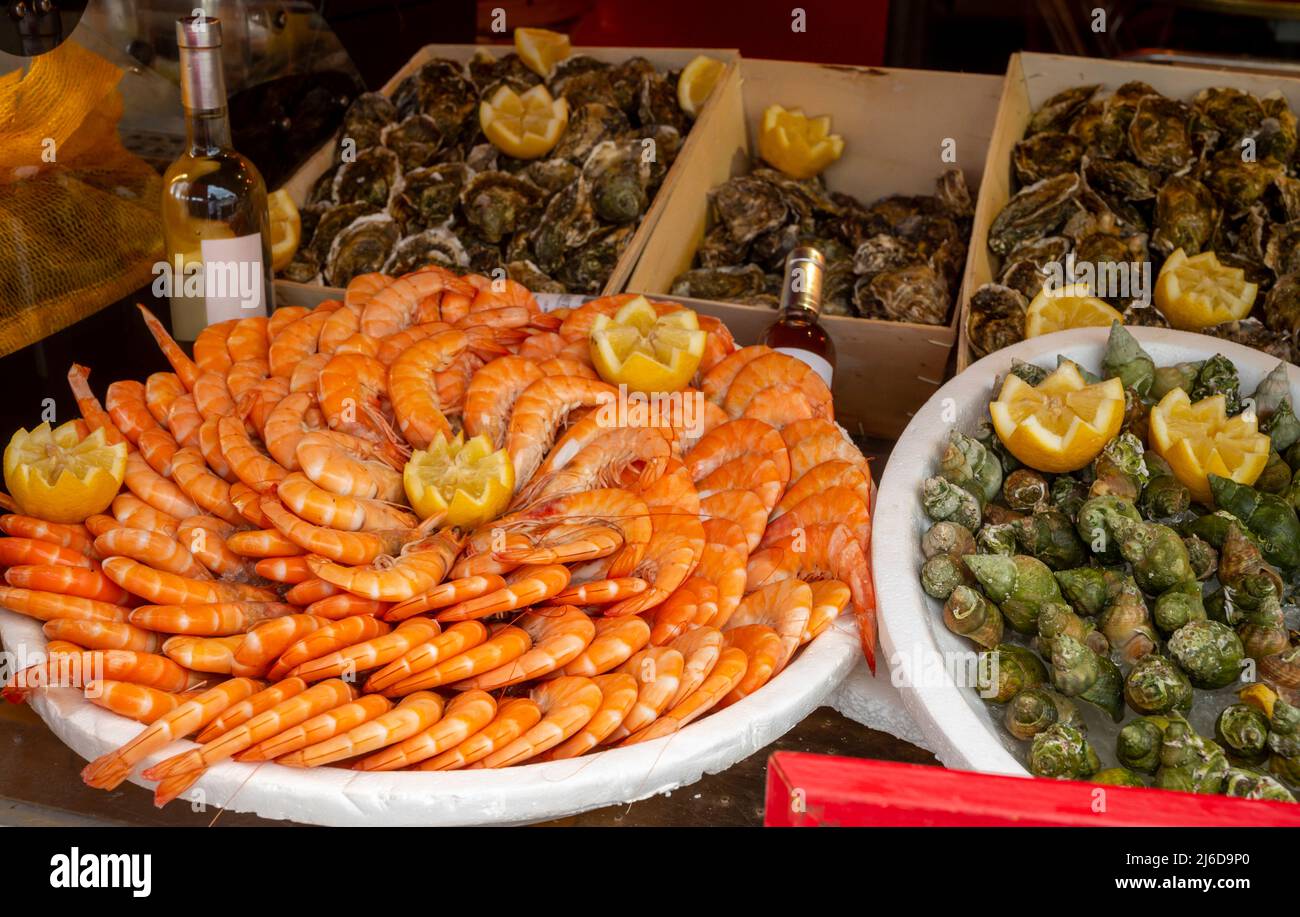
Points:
[(78, 213)]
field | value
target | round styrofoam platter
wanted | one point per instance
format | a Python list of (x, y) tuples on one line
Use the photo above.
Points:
[(957, 723), (527, 793)]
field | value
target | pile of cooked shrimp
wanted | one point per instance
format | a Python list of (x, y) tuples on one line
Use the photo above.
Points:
[(261, 585)]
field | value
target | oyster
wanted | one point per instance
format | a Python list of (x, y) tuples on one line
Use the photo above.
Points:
[(1233, 113), (1035, 211), (415, 140), (1027, 267), (996, 319), (1276, 139), (1287, 196), (440, 90), (581, 80), (1057, 112), (1121, 179), (322, 190), (365, 120), (305, 267), (369, 178), (748, 206), (1283, 252), (484, 258), (589, 125), (718, 248), (952, 191), (1045, 154), (1238, 184), (1282, 306), (567, 223), (1186, 216), (737, 283), (438, 245), (619, 179), (1251, 332), (910, 294), (361, 247), (551, 175), (587, 268), (659, 145), (488, 72), (533, 277), (332, 222), (1159, 135), (1140, 313), (426, 197), (884, 252), (1089, 126), (497, 203), (484, 157), (657, 103), (626, 80)]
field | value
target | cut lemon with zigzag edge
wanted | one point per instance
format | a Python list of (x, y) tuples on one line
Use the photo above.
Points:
[(646, 351), (541, 49), (796, 144), (1073, 306), (469, 482), (58, 476), (1197, 292), (523, 126), (1199, 439), (1061, 424)]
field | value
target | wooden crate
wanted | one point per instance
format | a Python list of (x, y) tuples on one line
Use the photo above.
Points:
[(895, 124), (300, 183), (1031, 80)]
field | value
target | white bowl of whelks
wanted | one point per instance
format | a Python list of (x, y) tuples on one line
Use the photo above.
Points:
[(933, 667)]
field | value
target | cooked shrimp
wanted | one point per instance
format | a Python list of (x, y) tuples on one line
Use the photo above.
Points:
[(413, 715), (692, 604), (560, 634), (506, 644), (362, 287), (449, 644), (66, 535), (345, 604), (349, 514), (323, 726), (252, 468), (658, 671), (761, 476), (601, 591), (186, 369), (205, 489), (210, 351), (568, 703), (700, 648), (46, 606), (249, 339), (465, 715), (614, 642), (528, 585), (419, 564), (329, 638), (340, 325), (492, 393), (780, 405), (261, 543), (445, 594), (162, 588), (716, 380), (154, 489), (258, 402), (295, 343), (125, 401), (203, 654), (109, 770), (102, 635), (307, 373), (268, 638), (158, 448), (205, 538), (514, 716), (835, 473), (620, 457), (138, 702), (368, 654), (251, 706), (541, 409), (726, 675), (829, 598), (349, 466), (353, 395), (418, 297), (740, 438), (784, 606), (157, 550), (219, 619), (65, 580), (742, 507), (14, 551), (290, 420), (827, 507), (762, 647), (289, 570), (75, 670), (131, 511), (416, 404), (776, 369)]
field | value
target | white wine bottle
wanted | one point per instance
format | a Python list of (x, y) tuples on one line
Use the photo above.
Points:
[(797, 331), (215, 219)]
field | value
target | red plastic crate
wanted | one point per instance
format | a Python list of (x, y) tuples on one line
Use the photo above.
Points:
[(805, 790)]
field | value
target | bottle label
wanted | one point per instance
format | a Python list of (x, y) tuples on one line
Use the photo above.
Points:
[(233, 284), (819, 364), (549, 302)]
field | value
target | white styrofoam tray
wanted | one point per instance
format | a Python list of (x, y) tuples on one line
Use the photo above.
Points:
[(528, 793), (957, 724)]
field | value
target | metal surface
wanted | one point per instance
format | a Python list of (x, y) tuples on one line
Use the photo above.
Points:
[(1216, 61)]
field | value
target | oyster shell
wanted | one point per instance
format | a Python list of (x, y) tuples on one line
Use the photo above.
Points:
[(659, 145), (416, 140), (1287, 197), (1057, 112), (438, 245), (497, 203), (440, 90), (1276, 138), (1118, 178), (1186, 216), (1238, 184), (619, 179), (953, 192), (581, 80), (322, 189), (332, 222), (305, 267), (567, 223), (626, 80), (488, 72), (736, 283), (1045, 154), (426, 197), (533, 277), (996, 318), (1276, 341), (1035, 211), (551, 175), (484, 258), (1144, 314), (1159, 135), (1283, 252), (360, 248), (908, 294), (365, 120), (586, 269), (718, 249), (883, 252), (484, 157), (657, 103), (748, 206), (589, 124), (369, 178), (1233, 113)]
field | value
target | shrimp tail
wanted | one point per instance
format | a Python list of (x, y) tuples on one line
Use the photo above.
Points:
[(173, 785), (177, 764), (107, 771)]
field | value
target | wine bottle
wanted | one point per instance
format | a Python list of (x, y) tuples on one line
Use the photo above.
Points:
[(797, 332), (215, 219)]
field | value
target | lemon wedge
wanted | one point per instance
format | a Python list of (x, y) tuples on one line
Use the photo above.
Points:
[(646, 351), (1062, 423), (57, 476), (286, 229), (541, 49), (523, 126), (1197, 292), (697, 81), (1199, 439), (797, 145), (1069, 307), (467, 483)]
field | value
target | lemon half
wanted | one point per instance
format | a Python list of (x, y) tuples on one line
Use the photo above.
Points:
[(1199, 439), (646, 351), (696, 83), (796, 144), (1062, 423), (1197, 292), (57, 476), (469, 482), (523, 126), (1069, 307)]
